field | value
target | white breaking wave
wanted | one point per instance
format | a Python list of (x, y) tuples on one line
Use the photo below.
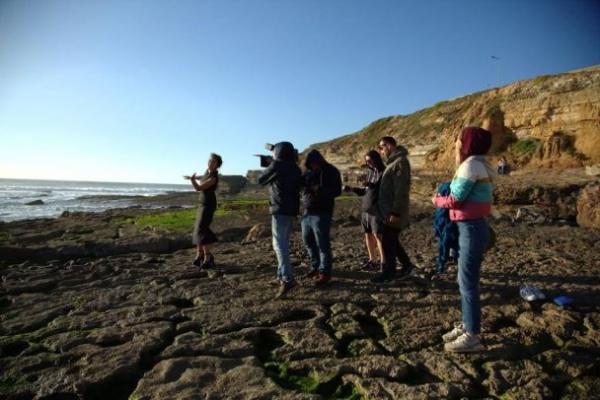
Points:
[(60, 196)]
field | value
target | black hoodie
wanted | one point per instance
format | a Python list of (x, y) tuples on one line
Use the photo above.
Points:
[(284, 176), (320, 187), (370, 191)]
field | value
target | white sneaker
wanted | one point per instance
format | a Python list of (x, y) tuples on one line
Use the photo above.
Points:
[(458, 330), (465, 343)]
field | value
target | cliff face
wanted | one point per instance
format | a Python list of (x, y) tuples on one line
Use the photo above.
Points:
[(549, 121)]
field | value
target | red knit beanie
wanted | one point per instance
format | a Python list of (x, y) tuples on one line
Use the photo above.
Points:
[(475, 141)]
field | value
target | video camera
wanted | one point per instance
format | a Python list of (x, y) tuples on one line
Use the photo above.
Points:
[(265, 161)]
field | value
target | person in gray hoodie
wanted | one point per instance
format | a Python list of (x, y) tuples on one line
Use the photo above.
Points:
[(284, 177), (393, 205)]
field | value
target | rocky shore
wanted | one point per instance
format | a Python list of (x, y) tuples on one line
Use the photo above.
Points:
[(97, 306)]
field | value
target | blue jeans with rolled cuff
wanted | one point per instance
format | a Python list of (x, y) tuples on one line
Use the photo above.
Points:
[(473, 237), (281, 230)]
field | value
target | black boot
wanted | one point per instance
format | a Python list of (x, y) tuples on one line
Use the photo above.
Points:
[(198, 261), (209, 263), (383, 277)]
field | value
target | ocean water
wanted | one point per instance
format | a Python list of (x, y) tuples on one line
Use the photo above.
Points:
[(60, 196)]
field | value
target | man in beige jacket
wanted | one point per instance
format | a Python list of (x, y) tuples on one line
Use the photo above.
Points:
[(393, 205)]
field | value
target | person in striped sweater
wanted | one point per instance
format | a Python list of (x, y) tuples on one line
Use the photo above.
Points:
[(469, 202)]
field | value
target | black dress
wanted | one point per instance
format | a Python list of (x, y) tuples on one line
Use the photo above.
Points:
[(206, 210)]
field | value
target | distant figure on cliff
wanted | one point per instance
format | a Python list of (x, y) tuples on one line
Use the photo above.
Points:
[(469, 202), (322, 183), (284, 177), (371, 221), (203, 237), (502, 167), (393, 204)]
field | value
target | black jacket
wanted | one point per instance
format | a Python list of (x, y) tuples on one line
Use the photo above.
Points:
[(285, 178), (322, 187), (370, 192)]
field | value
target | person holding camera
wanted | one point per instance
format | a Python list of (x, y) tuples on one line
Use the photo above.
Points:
[(322, 184), (284, 178), (203, 237)]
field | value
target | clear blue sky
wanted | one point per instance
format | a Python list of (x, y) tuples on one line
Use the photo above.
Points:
[(128, 90)]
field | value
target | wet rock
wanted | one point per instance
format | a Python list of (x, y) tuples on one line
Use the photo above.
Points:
[(100, 326), (210, 378), (304, 340), (593, 170), (257, 232), (233, 345), (530, 215), (370, 366), (377, 388), (364, 347), (585, 388), (559, 323), (408, 328), (515, 379), (35, 203), (499, 216), (441, 367), (570, 363), (588, 206), (592, 321), (345, 326), (40, 285), (349, 308)]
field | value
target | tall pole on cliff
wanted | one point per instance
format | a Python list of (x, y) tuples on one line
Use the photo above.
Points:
[(497, 59)]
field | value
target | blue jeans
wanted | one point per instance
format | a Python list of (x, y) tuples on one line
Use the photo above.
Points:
[(281, 229), (473, 237), (315, 232)]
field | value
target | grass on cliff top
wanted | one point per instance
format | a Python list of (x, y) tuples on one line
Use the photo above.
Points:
[(181, 220), (525, 146)]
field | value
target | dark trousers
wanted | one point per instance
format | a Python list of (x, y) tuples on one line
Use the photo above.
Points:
[(392, 250)]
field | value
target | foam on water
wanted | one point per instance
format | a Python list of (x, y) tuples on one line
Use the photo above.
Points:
[(60, 196)]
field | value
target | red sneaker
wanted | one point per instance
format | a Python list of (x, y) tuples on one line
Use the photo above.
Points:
[(323, 279), (313, 273)]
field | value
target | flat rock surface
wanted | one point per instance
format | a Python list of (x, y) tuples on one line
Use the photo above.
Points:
[(152, 326)]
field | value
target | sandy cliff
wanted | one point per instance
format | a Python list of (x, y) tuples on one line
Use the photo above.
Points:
[(548, 121)]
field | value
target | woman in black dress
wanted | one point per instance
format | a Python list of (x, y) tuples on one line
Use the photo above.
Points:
[(203, 237)]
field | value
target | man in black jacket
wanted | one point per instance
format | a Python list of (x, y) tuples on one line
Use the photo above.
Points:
[(284, 177), (322, 184)]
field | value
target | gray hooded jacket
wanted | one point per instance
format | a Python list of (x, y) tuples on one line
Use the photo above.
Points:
[(395, 189)]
